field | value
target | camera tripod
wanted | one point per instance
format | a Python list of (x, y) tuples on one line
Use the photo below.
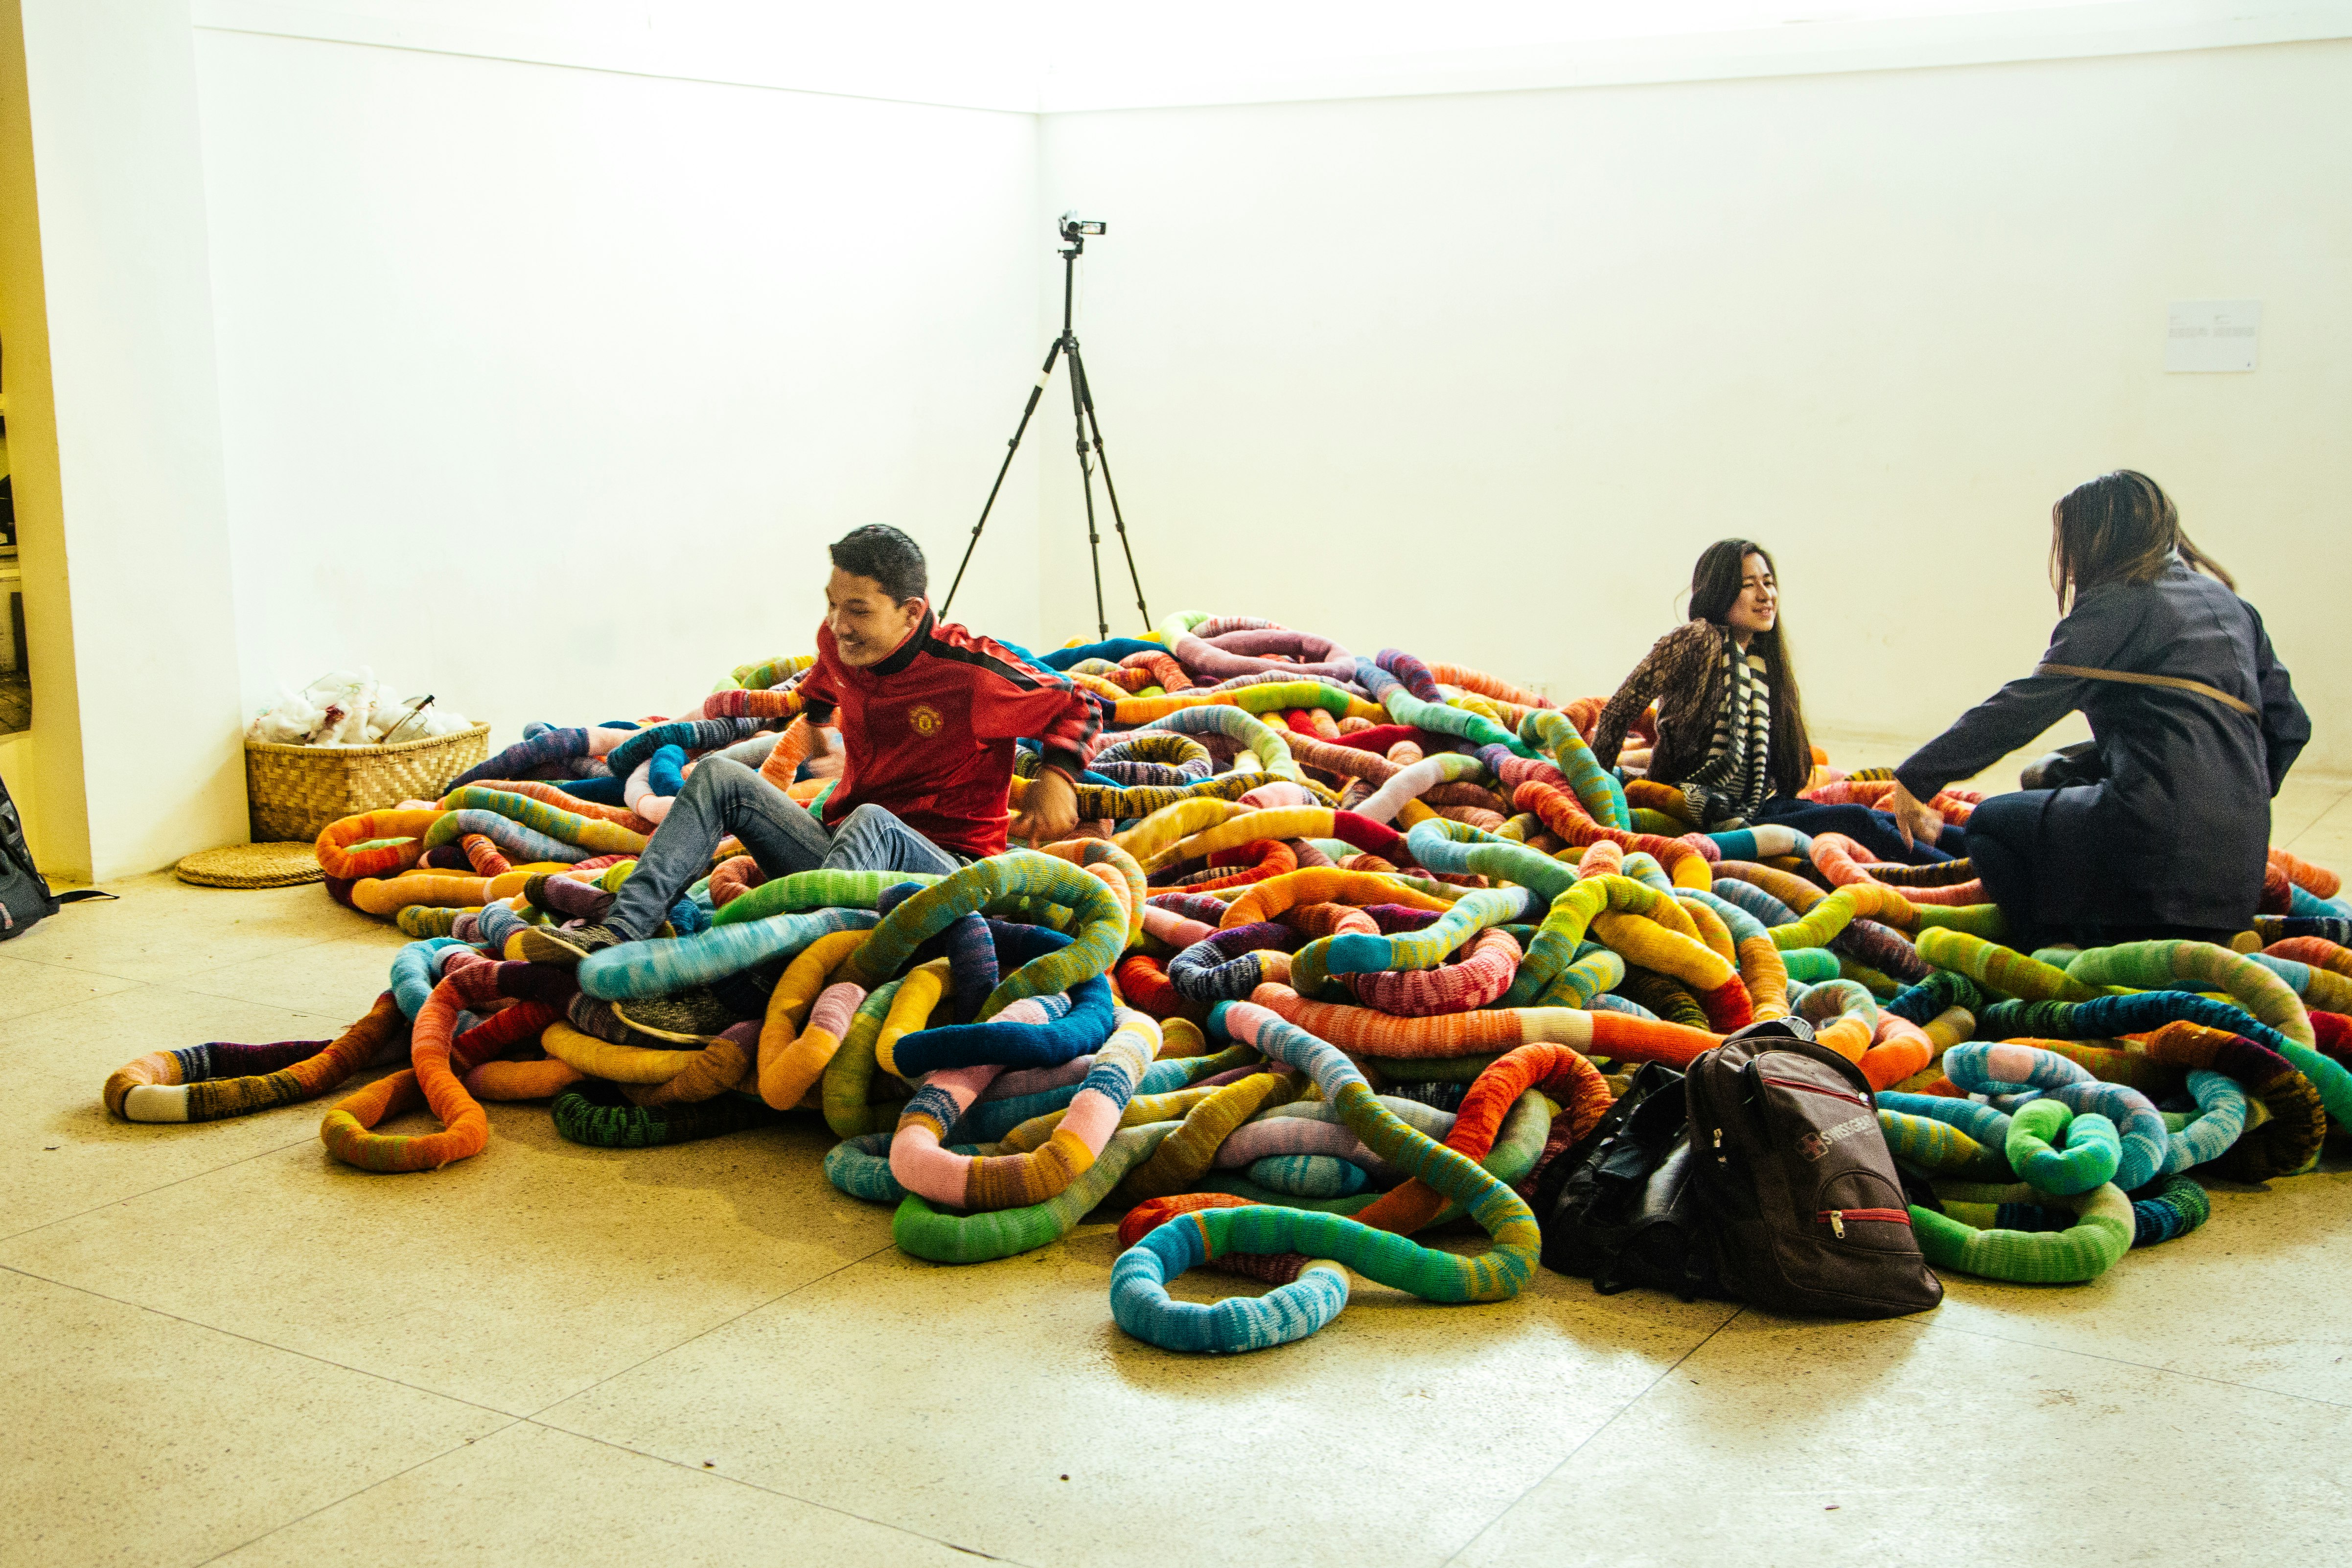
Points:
[(1073, 231)]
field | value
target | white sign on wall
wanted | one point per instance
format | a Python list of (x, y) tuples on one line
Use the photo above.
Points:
[(2213, 334)]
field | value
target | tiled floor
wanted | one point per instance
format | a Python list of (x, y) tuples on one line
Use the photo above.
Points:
[(226, 1347)]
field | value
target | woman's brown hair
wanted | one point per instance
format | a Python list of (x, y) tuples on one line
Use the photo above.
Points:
[(1716, 583), (2119, 528)]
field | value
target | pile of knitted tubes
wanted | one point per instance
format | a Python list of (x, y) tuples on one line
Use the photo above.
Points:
[(1344, 949)]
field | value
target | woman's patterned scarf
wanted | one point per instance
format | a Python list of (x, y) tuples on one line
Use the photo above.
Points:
[(1728, 789)]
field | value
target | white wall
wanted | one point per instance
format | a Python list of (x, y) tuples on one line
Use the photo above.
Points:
[(544, 388), (1481, 374), (115, 438)]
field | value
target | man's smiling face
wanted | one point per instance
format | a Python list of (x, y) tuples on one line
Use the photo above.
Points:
[(868, 625)]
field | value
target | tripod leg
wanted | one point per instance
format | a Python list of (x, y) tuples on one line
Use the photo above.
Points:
[(1005, 468), (1085, 393), (1087, 483)]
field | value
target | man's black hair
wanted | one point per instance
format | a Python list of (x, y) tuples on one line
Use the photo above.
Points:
[(889, 557)]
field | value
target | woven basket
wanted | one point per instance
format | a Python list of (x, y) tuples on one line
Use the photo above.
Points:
[(295, 791)]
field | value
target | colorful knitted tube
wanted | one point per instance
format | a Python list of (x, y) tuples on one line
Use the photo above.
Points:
[(2093, 1149), (1459, 849), (1565, 816), (1489, 962), (1227, 966), (2160, 964), (1842, 860), (1253, 735), (1555, 946), (2001, 969), (703, 734), (1266, 899), (1139, 1300), (1152, 758), (535, 823), (2102, 1233), (1928, 1143), (1005, 1043), (806, 1021), (1556, 1070), (921, 1231), (2288, 1139), (802, 891), (660, 967), (1427, 713), (848, 1086), (1192, 1150), (1498, 1029), (1358, 952), (520, 759), (213, 1082), (373, 843), (2109, 1017), (1008, 1181), (1278, 823), (1007, 884), (347, 1131), (595, 1114), (2177, 1206), (1985, 1068), (1116, 869)]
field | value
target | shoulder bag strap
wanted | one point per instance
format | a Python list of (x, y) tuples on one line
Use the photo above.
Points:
[(2084, 672)]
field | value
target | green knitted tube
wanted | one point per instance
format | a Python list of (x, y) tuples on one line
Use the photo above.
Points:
[(2102, 1232)]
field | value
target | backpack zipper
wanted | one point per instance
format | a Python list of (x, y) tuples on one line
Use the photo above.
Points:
[(1835, 1219), (1816, 1089)]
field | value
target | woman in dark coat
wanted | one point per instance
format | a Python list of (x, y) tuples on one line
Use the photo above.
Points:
[(2194, 723)]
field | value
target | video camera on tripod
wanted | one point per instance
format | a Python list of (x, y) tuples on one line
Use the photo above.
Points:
[(1074, 231)]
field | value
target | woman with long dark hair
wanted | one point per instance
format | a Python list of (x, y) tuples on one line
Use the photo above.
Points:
[(1731, 725), (2163, 828)]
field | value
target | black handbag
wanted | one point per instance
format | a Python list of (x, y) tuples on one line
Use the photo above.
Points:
[(1619, 1209), (25, 896)]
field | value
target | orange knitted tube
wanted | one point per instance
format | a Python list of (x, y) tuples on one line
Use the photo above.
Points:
[(540, 790), (1491, 1030), (1563, 1074), (1565, 814), (1841, 859), (1322, 885), (2317, 881), (345, 864), (347, 1130)]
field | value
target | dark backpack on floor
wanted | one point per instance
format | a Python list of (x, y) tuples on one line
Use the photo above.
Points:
[(1618, 1207), (1805, 1205), (1761, 1177), (25, 896)]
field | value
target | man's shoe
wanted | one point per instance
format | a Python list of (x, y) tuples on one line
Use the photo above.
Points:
[(562, 946), (566, 898), (691, 1016)]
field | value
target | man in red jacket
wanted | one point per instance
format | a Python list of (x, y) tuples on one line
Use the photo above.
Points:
[(927, 713)]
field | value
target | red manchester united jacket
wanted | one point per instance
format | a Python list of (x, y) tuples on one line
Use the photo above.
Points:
[(929, 732)]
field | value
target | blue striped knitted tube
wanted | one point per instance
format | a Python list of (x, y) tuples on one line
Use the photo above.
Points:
[(535, 751), (693, 734), (657, 968)]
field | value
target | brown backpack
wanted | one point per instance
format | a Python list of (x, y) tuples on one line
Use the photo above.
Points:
[(1805, 1205)]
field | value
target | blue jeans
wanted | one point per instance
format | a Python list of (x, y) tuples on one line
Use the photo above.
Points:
[(722, 797), (1871, 829)]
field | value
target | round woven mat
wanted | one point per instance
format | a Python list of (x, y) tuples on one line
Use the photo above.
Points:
[(252, 866)]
